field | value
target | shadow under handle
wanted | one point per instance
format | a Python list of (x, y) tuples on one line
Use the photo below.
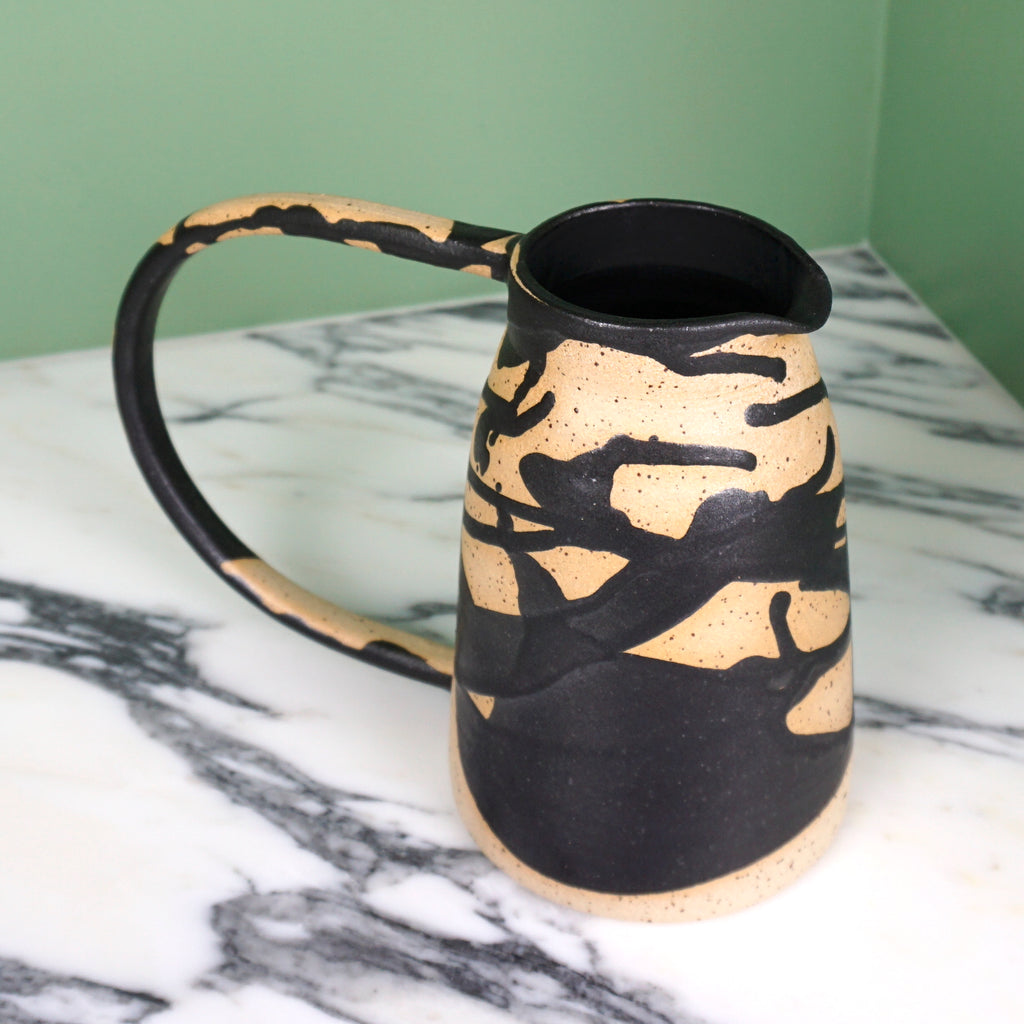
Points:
[(435, 240)]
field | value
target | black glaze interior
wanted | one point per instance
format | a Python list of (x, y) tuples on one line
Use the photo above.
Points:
[(668, 260)]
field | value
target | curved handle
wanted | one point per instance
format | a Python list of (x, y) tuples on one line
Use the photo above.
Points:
[(416, 236)]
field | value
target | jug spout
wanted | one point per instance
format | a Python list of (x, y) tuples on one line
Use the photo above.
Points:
[(653, 267)]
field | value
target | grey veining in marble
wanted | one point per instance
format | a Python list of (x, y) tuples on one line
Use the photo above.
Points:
[(33, 996), (294, 940)]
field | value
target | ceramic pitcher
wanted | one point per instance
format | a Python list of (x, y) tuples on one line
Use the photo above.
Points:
[(651, 680)]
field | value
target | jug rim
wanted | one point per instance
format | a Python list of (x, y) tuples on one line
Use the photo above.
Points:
[(730, 236)]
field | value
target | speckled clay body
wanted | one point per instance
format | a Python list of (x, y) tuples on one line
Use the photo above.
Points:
[(652, 695)]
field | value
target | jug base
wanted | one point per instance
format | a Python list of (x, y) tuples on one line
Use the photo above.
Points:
[(715, 898)]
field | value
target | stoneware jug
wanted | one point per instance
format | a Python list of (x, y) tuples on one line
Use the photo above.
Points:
[(652, 697)]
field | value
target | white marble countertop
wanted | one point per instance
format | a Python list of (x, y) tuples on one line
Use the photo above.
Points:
[(208, 818)]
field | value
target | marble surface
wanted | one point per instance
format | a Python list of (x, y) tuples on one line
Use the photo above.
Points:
[(208, 818)]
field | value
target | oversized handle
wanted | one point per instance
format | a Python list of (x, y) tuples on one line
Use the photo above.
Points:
[(416, 236)]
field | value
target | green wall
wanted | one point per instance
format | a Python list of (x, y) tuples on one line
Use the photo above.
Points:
[(118, 117), (838, 120), (948, 208)]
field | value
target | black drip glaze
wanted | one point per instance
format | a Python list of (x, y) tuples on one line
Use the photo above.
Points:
[(620, 773), (598, 768)]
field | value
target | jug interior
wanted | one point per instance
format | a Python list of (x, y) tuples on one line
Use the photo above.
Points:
[(658, 259)]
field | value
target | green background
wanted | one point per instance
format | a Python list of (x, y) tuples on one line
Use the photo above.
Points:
[(897, 121), (948, 199)]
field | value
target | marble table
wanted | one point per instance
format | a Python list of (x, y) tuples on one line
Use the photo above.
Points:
[(208, 818)]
